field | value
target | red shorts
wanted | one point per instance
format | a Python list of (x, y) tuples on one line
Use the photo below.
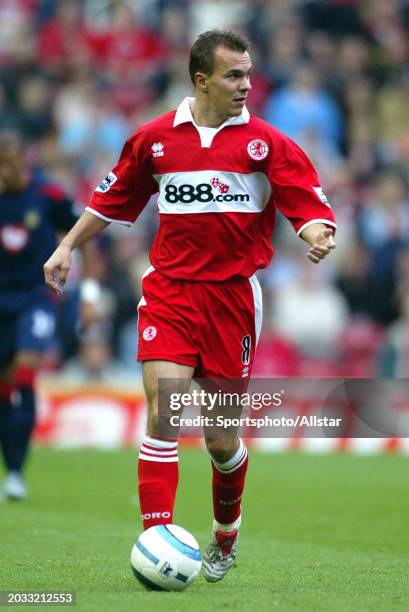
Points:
[(213, 327)]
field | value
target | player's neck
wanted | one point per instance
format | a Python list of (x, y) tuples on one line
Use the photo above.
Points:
[(204, 116)]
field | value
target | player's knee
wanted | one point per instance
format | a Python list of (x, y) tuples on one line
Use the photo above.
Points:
[(152, 423), (155, 416), (28, 360), (221, 449)]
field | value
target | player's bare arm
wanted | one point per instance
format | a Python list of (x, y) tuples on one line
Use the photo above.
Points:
[(58, 265), (321, 240)]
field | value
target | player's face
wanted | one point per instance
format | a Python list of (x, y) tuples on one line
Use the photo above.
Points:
[(229, 84), (11, 171)]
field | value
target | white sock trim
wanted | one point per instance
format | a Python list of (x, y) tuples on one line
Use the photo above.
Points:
[(235, 462), (158, 443), (158, 459), (226, 527), (162, 451)]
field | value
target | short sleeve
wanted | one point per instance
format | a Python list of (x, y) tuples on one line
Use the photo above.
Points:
[(298, 193), (124, 192)]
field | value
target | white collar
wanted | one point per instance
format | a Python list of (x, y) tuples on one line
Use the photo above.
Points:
[(184, 114)]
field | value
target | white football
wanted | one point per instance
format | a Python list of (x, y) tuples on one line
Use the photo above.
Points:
[(166, 557)]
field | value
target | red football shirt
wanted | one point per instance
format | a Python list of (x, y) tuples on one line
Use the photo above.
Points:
[(219, 189)]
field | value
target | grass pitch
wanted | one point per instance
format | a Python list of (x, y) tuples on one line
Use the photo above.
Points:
[(319, 533)]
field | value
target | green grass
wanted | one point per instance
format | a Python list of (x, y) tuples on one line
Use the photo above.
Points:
[(319, 533)]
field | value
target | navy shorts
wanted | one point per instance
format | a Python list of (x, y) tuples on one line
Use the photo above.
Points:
[(30, 329)]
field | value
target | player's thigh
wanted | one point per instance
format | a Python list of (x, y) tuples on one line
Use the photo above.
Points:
[(29, 359), (153, 372), (156, 369), (11, 353)]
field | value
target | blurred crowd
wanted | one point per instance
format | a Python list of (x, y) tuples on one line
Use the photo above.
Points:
[(78, 76)]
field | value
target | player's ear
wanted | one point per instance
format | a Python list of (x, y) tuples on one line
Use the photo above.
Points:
[(201, 81)]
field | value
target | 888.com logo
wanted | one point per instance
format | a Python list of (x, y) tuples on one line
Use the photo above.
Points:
[(203, 192)]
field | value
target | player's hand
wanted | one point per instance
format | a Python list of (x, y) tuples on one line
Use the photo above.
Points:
[(323, 244), (56, 269)]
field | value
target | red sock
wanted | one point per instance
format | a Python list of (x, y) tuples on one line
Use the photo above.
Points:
[(158, 473), (228, 485)]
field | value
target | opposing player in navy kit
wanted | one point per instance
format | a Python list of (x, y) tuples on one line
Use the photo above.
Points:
[(32, 212), (221, 175)]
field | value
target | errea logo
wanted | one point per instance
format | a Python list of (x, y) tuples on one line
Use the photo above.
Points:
[(157, 149)]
